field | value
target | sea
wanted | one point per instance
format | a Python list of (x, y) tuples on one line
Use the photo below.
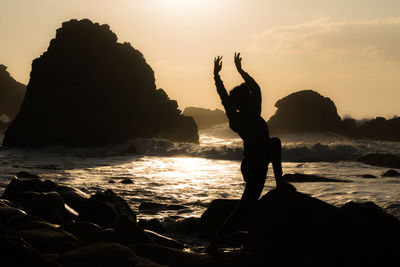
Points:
[(192, 175)]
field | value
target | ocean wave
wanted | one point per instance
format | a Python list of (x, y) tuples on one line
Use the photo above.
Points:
[(291, 153)]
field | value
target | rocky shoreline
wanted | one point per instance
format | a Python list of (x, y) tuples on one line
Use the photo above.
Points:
[(46, 224)]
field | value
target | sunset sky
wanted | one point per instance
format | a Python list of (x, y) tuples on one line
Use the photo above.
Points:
[(346, 50)]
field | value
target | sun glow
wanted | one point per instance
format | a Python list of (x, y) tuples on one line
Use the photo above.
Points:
[(180, 6)]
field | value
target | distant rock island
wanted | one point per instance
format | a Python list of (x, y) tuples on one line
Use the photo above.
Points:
[(89, 90), (308, 111), (11, 96), (304, 111), (206, 118)]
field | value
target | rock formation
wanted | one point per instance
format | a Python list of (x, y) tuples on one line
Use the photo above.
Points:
[(308, 111), (89, 90), (304, 111), (378, 128), (11, 95), (206, 118)]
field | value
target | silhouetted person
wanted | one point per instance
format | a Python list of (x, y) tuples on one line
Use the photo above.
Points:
[(243, 109)]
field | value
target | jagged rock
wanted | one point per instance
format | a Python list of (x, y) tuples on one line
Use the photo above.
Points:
[(89, 90), (304, 111), (391, 173), (206, 118), (381, 160), (11, 95)]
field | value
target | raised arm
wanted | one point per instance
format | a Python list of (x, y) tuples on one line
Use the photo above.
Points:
[(223, 94), (252, 84)]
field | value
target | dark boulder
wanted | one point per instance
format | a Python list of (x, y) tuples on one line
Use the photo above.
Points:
[(75, 198), (49, 206), (294, 229), (86, 78), (97, 212), (8, 212), (117, 202), (130, 232), (15, 189), (304, 111), (391, 173), (174, 257), (81, 229), (217, 213), (50, 241), (153, 207), (206, 118), (153, 225), (15, 251), (164, 240), (101, 208), (381, 160), (24, 174), (105, 254), (368, 176), (104, 235)]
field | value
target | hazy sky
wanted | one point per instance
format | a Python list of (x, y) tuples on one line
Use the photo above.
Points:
[(346, 50)]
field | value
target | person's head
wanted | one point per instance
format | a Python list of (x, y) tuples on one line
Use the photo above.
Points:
[(239, 97)]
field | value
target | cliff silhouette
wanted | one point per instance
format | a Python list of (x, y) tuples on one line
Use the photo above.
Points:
[(205, 118), (89, 90), (11, 95), (309, 111)]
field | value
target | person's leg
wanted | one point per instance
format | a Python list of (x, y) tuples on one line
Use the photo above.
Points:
[(276, 159), (254, 175), (276, 154), (247, 202)]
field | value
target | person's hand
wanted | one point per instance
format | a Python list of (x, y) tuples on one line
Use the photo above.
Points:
[(217, 65), (238, 61)]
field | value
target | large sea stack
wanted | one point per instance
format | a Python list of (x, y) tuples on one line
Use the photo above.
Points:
[(305, 111), (89, 90)]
